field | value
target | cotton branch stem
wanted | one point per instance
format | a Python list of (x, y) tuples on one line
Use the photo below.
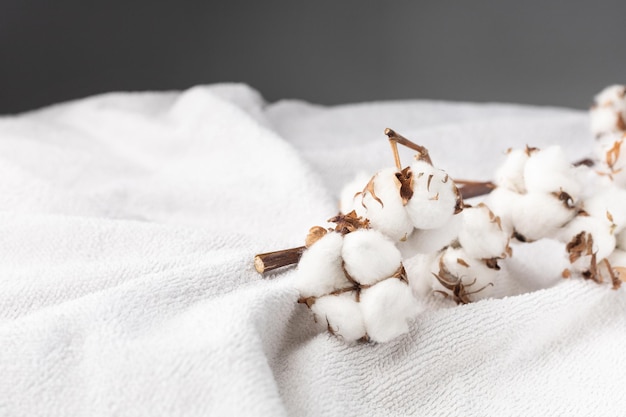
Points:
[(471, 189), (270, 261), (266, 262), (395, 138)]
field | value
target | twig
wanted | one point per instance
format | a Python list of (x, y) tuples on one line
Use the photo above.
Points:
[(270, 261)]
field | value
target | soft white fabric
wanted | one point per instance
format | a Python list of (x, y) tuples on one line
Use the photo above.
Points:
[(128, 224)]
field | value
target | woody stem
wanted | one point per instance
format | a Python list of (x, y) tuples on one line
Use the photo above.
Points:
[(270, 261), (396, 138)]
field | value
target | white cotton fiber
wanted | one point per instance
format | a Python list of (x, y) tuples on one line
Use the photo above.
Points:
[(387, 308), (613, 95), (510, 174), (431, 240), (481, 234), (603, 120), (419, 274), (434, 197), (549, 170), (540, 215), (600, 229), (617, 260), (350, 198), (474, 273), (319, 270), (608, 115), (342, 314), (502, 203), (610, 203), (387, 215), (610, 151), (369, 256)]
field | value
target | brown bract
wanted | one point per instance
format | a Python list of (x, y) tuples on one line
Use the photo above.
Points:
[(315, 234), (350, 222), (453, 283), (580, 245), (405, 177)]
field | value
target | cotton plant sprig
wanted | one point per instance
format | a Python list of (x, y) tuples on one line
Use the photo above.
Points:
[(351, 275), (405, 232), (353, 280), (539, 194)]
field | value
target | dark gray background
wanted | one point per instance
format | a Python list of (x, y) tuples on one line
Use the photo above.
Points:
[(537, 52)]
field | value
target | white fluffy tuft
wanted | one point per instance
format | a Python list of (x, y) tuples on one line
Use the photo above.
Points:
[(540, 215), (369, 256), (604, 241), (419, 274), (342, 314), (481, 234), (390, 217), (350, 198), (387, 307), (502, 203), (434, 197), (548, 171), (510, 174), (474, 273), (319, 270)]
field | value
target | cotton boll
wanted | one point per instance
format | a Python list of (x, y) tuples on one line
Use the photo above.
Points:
[(617, 272), (604, 120), (387, 308), (608, 115), (419, 274), (342, 314), (609, 203), (612, 162), (435, 197), (510, 174), (431, 240), (476, 276), (613, 95), (384, 208), (502, 203), (548, 170), (369, 256), (481, 234), (617, 259), (599, 228), (540, 215), (319, 270), (350, 198)]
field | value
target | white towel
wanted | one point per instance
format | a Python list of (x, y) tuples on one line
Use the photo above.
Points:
[(128, 224)]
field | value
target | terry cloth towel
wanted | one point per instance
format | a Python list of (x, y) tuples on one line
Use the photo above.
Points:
[(128, 225)]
